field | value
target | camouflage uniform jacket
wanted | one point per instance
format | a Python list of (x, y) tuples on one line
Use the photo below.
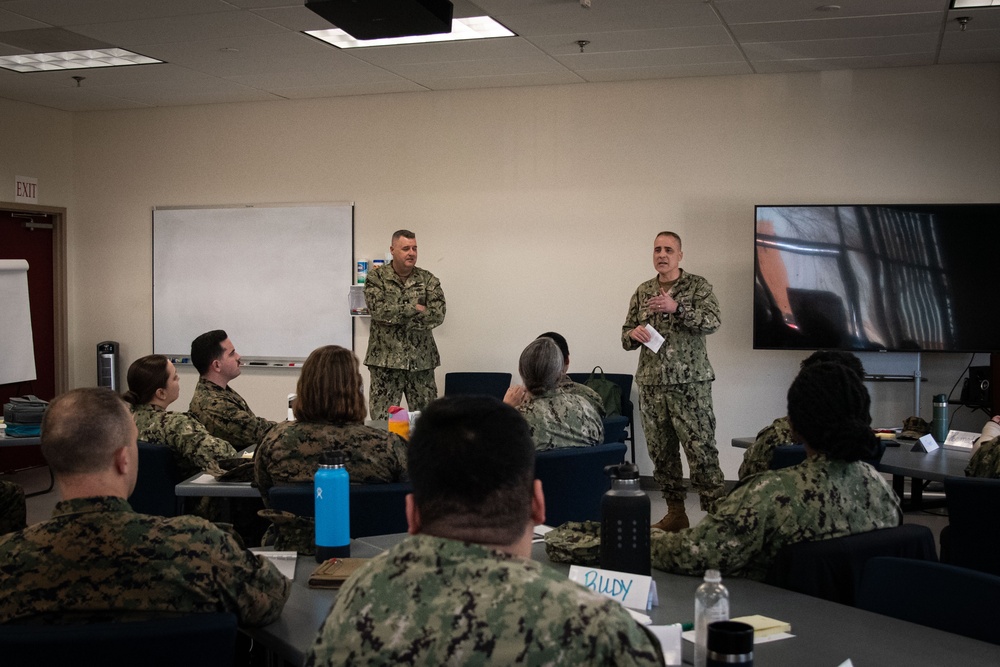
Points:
[(568, 386), (757, 458), (433, 601), (558, 419), (97, 560), (226, 415), (683, 357), (815, 500), (986, 461), (400, 335), (291, 452), (195, 449)]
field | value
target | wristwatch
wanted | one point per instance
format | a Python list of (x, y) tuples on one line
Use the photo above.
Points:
[(680, 310)]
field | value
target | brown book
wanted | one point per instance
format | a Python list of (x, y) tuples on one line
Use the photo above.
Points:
[(334, 572)]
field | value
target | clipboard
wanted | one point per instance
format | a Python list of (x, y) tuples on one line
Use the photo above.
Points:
[(334, 572)]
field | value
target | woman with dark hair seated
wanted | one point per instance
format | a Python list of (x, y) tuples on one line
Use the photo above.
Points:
[(830, 494), (556, 419), (329, 412), (153, 384)]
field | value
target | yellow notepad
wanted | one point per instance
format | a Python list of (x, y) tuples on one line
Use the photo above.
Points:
[(764, 626)]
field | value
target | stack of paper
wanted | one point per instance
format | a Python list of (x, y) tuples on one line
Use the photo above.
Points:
[(764, 626)]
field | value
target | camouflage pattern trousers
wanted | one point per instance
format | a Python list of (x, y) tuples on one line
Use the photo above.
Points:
[(389, 384), (676, 415)]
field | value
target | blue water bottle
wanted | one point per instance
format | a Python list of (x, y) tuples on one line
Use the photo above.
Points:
[(333, 512)]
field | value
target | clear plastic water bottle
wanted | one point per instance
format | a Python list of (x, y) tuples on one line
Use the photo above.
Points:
[(625, 522), (711, 603), (331, 486)]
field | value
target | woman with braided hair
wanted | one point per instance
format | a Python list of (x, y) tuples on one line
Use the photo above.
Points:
[(831, 494)]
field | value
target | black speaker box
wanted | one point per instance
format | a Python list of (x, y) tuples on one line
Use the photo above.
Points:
[(378, 19), (976, 390)]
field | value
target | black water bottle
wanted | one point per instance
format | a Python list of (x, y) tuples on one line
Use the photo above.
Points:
[(625, 522)]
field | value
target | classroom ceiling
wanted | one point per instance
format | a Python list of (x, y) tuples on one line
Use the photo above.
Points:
[(219, 51)]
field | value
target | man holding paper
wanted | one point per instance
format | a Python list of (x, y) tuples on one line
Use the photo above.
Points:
[(668, 319)]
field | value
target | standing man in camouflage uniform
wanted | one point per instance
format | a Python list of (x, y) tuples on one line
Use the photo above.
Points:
[(675, 383), (462, 588), (832, 493), (218, 406), (406, 303), (98, 560)]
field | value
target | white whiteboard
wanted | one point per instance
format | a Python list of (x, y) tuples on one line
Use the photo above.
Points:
[(275, 277), (17, 354)]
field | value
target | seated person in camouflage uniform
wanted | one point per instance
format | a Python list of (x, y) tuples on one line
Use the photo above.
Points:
[(13, 511), (556, 419), (215, 404), (329, 411), (757, 457), (567, 385), (153, 384), (985, 461), (830, 494), (462, 588), (98, 560)]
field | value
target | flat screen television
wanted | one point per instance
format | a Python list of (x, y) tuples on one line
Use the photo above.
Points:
[(877, 277)]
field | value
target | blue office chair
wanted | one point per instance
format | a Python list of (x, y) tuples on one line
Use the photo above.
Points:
[(195, 640), (615, 428), (790, 455), (574, 482), (831, 569), (938, 595), (972, 537), (486, 384), (376, 509), (154, 486), (624, 382)]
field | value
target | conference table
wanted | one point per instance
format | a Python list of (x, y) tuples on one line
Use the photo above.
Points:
[(900, 461), (825, 633), (31, 441)]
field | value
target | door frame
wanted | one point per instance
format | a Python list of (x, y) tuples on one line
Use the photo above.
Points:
[(59, 296)]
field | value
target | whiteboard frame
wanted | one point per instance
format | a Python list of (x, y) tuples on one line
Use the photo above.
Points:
[(276, 277)]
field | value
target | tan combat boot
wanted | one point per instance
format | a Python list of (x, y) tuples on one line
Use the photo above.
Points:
[(675, 519)]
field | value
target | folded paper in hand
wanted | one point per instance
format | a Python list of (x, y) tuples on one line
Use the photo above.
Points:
[(335, 572)]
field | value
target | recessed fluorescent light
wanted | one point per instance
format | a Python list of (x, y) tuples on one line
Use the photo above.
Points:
[(47, 62), (474, 27), (966, 4)]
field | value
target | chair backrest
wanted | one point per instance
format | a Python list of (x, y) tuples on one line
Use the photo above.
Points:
[(376, 509), (972, 537), (155, 481), (938, 595), (615, 428), (486, 384), (785, 456), (574, 482), (196, 640), (831, 569), (789, 455)]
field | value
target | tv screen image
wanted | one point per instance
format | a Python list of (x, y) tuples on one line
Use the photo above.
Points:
[(877, 277)]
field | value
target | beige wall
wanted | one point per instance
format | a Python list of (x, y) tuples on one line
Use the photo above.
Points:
[(536, 207)]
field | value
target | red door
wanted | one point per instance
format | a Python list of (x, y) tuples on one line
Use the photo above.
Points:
[(18, 241)]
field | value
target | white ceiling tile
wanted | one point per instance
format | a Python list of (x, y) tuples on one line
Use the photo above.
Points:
[(667, 72), (759, 11), (554, 78), (135, 34), (825, 64), (869, 26), (76, 12), (842, 48)]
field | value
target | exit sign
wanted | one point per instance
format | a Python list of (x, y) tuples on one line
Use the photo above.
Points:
[(25, 190)]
